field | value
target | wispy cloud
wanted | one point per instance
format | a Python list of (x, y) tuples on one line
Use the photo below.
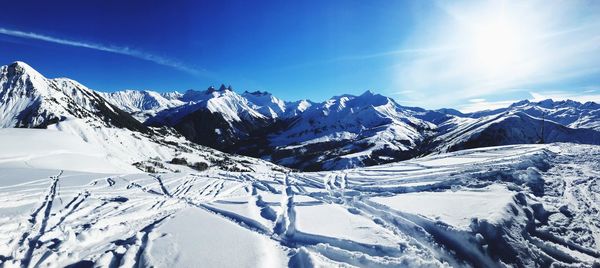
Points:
[(112, 49)]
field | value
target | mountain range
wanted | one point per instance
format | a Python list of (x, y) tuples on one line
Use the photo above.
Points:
[(344, 131), (30, 100)]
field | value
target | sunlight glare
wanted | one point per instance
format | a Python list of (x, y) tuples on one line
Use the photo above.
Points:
[(496, 46)]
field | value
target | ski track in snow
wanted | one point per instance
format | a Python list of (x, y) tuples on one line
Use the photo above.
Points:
[(547, 200)]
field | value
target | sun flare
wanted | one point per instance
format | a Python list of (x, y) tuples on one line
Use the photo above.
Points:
[(496, 46)]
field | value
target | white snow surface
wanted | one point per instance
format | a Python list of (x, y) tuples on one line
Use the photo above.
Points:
[(520, 205), (43, 149), (456, 207)]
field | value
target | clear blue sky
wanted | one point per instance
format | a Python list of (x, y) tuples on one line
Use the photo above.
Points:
[(462, 54)]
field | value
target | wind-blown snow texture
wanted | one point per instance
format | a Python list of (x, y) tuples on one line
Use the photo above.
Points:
[(523, 205)]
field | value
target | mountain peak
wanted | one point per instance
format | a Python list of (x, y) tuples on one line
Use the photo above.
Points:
[(21, 68), (257, 93), (369, 97), (368, 92), (20, 64), (547, 103), (209, 90), (520, 103), (224, 88)]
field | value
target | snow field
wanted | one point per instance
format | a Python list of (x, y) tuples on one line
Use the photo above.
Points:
[(481, 207)]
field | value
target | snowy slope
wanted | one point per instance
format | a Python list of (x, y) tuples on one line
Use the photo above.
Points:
[(510, 127), (143, 104), (28, 99), (218, 118), (522, 206), (568, 113), (348, 131), (43, 149)]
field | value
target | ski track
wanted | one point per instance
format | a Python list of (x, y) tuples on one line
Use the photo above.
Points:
[(115, 223)]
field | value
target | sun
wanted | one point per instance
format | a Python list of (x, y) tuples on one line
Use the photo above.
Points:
[(495, 46)]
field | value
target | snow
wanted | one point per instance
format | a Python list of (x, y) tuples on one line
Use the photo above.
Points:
[(193, 239), (143, 103), (456, 208), (43, 149), (339, 222), (69, 194), (434, 211), (232, 106), (350, 128)]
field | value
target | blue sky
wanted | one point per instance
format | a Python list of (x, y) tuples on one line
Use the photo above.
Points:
[(463, 54)]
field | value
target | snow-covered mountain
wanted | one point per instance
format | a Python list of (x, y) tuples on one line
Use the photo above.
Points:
[(567, 112), (342, 132), (143, 104), (349, 131), (30, 100), (218, 118), (509, 127), (273, 107), (521, 122)]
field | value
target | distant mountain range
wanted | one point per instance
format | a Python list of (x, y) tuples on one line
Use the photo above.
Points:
[(343, 132)]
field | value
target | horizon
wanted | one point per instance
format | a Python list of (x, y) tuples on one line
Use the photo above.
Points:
[(463, 55)]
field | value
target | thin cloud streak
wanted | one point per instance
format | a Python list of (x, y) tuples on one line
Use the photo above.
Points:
[(112, 49)]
